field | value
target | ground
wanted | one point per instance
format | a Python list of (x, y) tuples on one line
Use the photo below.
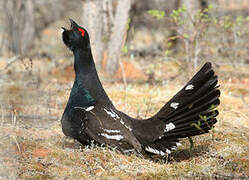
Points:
[(32, 145)]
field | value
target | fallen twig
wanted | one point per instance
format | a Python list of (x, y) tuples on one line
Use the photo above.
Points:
[(10, 62), (33, 117), (17, 144)]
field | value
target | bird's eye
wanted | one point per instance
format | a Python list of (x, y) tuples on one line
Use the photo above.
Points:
[(82, 32)]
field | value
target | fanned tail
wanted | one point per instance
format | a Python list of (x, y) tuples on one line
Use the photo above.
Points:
[(192, 111)]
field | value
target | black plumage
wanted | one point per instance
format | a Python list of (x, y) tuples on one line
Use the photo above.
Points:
[(90, 114)]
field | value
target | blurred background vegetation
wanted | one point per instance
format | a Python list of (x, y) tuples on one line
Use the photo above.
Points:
[(145, 51), (195, 30)]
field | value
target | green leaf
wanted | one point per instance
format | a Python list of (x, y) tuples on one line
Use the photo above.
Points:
[(197, 125), (204, 118), (210, 6), (156, 13), (215, 21), (169, 44), (212, 107), (128, 23), (186, 36), (125, 49), (191, 144), (239, 20), (167, 52), (228, 23), (183, 8), (174, 14)]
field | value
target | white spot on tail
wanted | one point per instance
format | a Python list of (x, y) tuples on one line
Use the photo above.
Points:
[(173, 148), (169, 127), (111, 131), (154, 151), (178, 144), (114, 137), (168, 151), (189, 87), (89, 108), (174, 105)]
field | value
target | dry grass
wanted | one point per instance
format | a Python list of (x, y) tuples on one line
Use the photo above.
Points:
[(32, 145)]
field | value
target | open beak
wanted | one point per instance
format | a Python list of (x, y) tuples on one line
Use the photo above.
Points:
[(64, 29), (73, 25)]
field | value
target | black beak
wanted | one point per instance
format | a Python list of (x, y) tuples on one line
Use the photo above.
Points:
[(63, 28), (73, 25)]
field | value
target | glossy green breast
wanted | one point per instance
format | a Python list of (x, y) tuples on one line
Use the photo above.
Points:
[(80, 97)]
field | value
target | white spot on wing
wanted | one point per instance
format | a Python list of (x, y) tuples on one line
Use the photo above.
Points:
[(189, 87), (174, 105), (127, 127), (154, 151), (86, 109), (169, 127), (89, 108), (79, 108), (114, 137), (112, 114), (115, 117), (111, 131), (128, 150)]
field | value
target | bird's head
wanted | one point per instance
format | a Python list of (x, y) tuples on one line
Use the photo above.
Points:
[(76, 37)]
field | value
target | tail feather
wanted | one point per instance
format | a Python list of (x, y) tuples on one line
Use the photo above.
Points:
[(186, 97), (204, 108), (190, 120), (163, 146), (190, 112), (204, 128), (185, 100), (215, 93), (198, 108), (194, 125)]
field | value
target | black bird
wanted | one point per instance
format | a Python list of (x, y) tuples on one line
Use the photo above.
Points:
[(91, 116)]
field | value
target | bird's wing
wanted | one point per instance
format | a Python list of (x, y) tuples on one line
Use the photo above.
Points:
[(106, 126)]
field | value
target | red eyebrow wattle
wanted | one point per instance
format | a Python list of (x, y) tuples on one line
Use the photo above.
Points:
[(82, 32)]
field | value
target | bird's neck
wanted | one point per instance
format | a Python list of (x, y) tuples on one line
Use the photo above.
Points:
[(86, 75), (83, 62)]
